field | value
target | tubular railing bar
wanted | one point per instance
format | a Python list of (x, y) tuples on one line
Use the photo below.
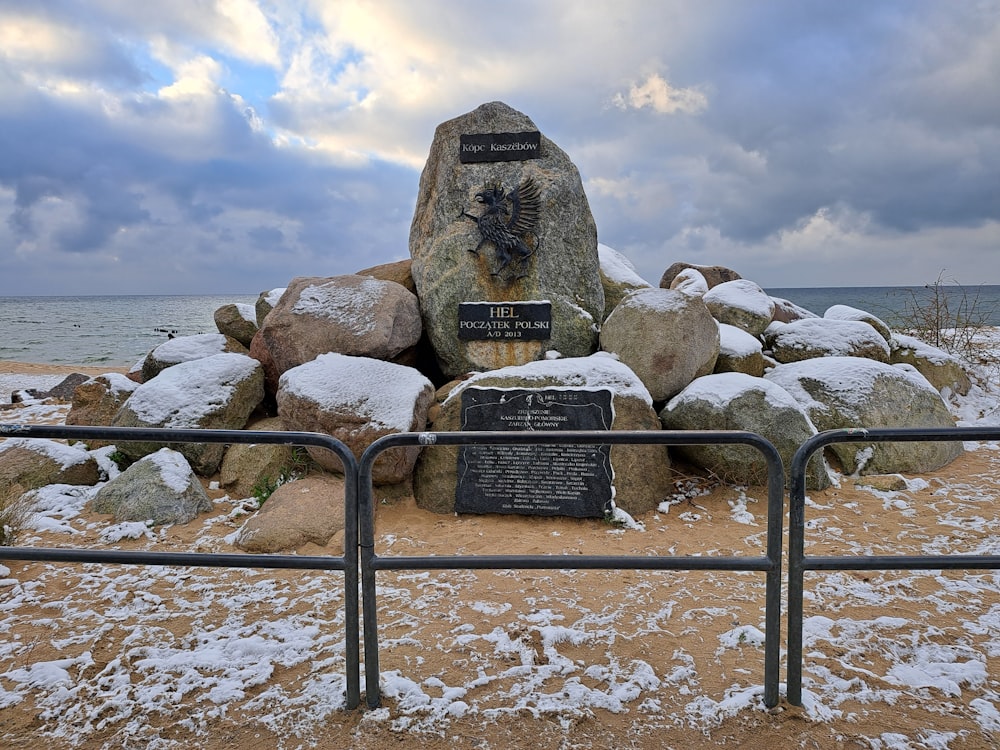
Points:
[(771, 563), (348, 562), (798, 562)]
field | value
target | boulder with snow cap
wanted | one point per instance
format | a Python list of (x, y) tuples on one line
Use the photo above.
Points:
[(354, 315), (739, 352), (667, 338), (357, 400), (713, 275), (307, 510), (238, 321), (853, 392), (159, 488), (266, 302), (97, 400), (452, 265), (825, 337), (35, 462), (741, 303), (618, 277), (690, 281), (641, 472), (187, 348), (942, 370), (217, 392), (786, 311), (846, 312), (737, 401)]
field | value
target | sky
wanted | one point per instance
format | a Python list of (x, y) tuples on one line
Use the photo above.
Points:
[(227, 146)]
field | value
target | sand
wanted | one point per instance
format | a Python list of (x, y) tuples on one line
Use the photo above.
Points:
[(441, 628)]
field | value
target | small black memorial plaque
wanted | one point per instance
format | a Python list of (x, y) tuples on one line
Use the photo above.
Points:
[(504, 321), (540, 480), (483, 147)]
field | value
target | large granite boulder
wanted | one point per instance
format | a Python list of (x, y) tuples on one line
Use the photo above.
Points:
[(159, 488), (399, 271), (357, 400), (97, 400), (786, 311), (266, 302), (666, 337), (853, 392), (737, 401), (741, 303), (810, 338), (846, 312), (63, 390), (247, 466), (713, 275), (618, 276), (217, 392), (690, 281), (354, 315), (641, 472), (563, 266), (308, 510), (238, 321), (36, 462), (186, 349), (739, 352), (942, 370)]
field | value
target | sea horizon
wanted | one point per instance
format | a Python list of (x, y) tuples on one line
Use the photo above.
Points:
[(95, 329)]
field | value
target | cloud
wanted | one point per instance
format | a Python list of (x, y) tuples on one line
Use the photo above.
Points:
[(661, 97)]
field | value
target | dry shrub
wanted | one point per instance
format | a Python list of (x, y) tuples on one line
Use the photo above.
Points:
[(15, 507)]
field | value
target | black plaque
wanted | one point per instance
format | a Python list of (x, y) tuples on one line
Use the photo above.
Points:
[(504, 321), (483, 147), (540, 480)]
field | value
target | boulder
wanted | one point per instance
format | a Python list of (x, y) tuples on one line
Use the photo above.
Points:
[(942, 370), (306, 510), (690, 281), (63, 391), (713, 275), (642, 475), (238, 321), (618, 277), (354, 315), (357, 400), (786, 312), (399, 272), (247, 466), (97, 400), (159, 488), (217, 392), (741, 303), (265, 303), (825, 337), (739, 352), (853, 392), (36, 462), (737, 401), (186, 349), (846, 312), (563, 267), (667, 338)]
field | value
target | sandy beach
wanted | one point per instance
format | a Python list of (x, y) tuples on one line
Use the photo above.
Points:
[(117, 656), (8, 367)]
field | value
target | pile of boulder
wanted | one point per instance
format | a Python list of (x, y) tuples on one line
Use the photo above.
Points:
[(364, 355)]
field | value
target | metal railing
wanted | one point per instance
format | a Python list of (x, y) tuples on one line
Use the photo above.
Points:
[(799, 563), (348, 562), (770, 563)]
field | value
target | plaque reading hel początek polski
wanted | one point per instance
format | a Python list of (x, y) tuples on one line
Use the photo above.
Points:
[(542, 480), (505, 321)]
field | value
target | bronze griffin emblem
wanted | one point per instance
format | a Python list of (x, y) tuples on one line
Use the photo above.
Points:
[(509, 221)]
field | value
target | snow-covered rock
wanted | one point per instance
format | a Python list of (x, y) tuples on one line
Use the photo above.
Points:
[(36, 462), (641, 473), (690, 281), (737, 401), (159, 488), (97, 400), (618, 276), (216, 392), (667, 338), (238, 321), (357, 400), (186, 349), (713, 275), (942, 370), (739, 352), (846, 312), (741, 303), (844, 392), (826, 337)]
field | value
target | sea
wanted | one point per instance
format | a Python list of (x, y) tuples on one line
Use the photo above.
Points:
[(118, 331)]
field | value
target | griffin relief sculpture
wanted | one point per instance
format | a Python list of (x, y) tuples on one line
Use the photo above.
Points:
[(508, 221)]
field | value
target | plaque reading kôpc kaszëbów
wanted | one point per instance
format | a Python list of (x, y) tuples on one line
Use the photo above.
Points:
[(486, 147), (504, 321), (545, 480)]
